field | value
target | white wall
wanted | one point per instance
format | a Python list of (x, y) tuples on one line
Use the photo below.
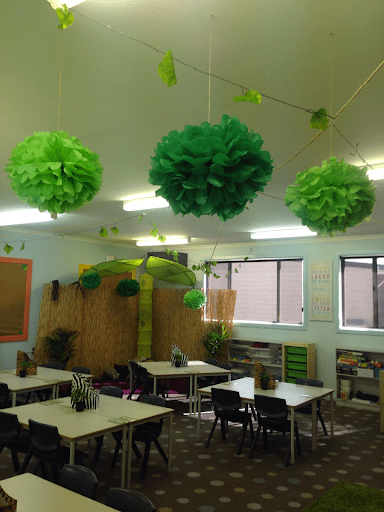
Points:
[(325, 335), (54, 258)]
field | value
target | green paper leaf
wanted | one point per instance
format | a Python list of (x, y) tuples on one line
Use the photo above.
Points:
[(166, 70), (103, 232), (141, 218), (66, 18), (154, 232), (22, 246), (115, 230), (8, 248), (246, 258), (161, 238), (252, 96), (175, 255), (319, 119), (24, 267)]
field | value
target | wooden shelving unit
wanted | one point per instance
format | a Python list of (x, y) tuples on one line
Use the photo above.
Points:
[(299, 360)]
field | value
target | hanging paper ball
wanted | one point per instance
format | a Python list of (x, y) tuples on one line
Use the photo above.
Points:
[(91, 281), (54, 172), (194, 299), (332, 198), (211, 169), (128, 287)]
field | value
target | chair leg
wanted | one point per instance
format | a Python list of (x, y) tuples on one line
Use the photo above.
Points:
[(253, 412), (298, 441), (288, 455), (222, 425), (161, 451), (15, 460), (145, 460), (244, 431), (99, 441), (56, 474), (322, 422), (25, 462), (116, 453), (265, 438), (136, 450), (211, 433), (254, 441)]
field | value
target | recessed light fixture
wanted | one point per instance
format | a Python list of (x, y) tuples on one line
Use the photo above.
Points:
[(376, 174), (14, 217), (148, 202), (265, 234), (148, 242)]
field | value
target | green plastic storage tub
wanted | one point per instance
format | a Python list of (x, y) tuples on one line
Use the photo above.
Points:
[(296, 350), (297, 366), (296, 373), (297, 359)]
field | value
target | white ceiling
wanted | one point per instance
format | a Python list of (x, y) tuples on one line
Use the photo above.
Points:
[(114, 101)]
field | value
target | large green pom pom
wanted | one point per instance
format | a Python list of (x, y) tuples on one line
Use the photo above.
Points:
[(128, 287), (211, 169), (91, 281), (332, 198), (53, 172), (194, 299)]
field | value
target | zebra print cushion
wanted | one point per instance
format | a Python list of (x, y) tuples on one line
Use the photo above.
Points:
[(92, 399)]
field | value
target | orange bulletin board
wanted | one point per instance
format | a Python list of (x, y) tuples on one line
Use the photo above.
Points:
[(15, 293)]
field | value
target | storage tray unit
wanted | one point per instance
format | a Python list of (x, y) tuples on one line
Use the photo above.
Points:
[(299, 360)]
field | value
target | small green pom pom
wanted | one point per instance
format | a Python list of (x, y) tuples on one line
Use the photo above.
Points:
[(194, 299), (128, 287), (91, 281)]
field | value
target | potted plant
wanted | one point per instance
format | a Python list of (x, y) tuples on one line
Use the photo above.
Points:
[(60, 344), (264, 380), (23, 367), (215, 339), (78, 396), (177, 359)]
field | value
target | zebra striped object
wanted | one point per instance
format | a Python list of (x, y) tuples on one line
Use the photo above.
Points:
[(184, 357), (92, 399)]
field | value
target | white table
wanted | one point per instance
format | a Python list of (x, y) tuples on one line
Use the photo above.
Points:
[(165, 370), (112, 415), (295, 395), (44, 379), (34, 494)]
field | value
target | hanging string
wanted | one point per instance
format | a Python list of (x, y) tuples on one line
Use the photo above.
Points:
[(61, 67), (331, 92), (210, 68), (217, 241)]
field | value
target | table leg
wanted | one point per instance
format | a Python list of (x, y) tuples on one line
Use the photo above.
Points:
[(154, 385), (292, 440), (129, 455), (170, 443), (130, 381), (123, 456), (195, 396), (331, 398), (191, 392), (14, 398), (72, 448), (199, 418), (314, 425)]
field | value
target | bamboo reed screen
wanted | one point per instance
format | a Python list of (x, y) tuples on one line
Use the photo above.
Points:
[(108, 324)]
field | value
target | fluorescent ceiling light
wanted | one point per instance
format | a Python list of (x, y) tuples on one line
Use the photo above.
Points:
[(14, 217), (148, 242), (376, 174), (282, 233), (72, 3), (144, 203)]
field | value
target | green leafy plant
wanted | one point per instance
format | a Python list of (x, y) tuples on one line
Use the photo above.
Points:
[(177, 356), (78, 395), (264, 377), (215, 339), (206, 268), (60, 344), (26, 364)]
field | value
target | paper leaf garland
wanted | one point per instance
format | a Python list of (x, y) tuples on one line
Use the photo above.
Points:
[(128, 287), (66, 18), (166, 70), (207, 170), (54, 172), (170, 271), (115, 230), (103, 232), (252, 96), (331, 198), (8, 248), (319, 119), (91, 281), (194, 299)]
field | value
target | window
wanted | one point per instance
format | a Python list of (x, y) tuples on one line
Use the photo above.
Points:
[(362, 288), (267, 290)]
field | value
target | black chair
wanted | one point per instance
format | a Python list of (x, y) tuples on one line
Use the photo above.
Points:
[(12, 438), (227, 405), (45, 446), (81, 369), (224, 378), (135, 371), (44, 394), (126, 500), (111, 391), (204, 382), (272, 413), (146, 433), (79, 479), (307, 409), (4, 396), (143, 381)]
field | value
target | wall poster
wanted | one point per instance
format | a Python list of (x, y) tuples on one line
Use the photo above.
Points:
[(320, 291)]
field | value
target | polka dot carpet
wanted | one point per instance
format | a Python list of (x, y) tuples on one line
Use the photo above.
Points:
[(214, 479)]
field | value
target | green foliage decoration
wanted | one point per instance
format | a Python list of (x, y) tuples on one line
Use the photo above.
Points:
[(208, 170), (54, 172), (194, 299), (215, 339), (115, 230), (103, 232), (22, 246), (319, 119), (251, 95), (8, 248), (128, 287), (91, 281), (332, 197), (166, 70), (66, 18), (206, 268), (60, 344)]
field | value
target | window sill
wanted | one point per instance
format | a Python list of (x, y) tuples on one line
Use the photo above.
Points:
[(266, 325), (357, 330)]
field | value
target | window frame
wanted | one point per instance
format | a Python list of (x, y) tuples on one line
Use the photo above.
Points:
[(270, 325), (342, 329)]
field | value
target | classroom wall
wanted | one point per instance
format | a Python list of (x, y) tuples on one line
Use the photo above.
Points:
[(325, 335), (54, 258)]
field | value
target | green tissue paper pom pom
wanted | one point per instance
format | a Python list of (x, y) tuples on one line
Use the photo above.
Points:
[(91, 281), (54, 172), (194, 299), (207, 169), (331, 198), (128, 287)]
